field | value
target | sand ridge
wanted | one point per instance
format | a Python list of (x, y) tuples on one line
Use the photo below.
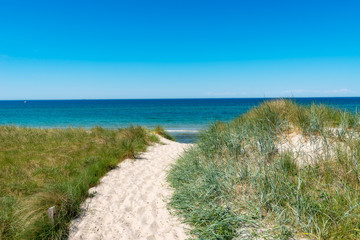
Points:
[(130, 201)]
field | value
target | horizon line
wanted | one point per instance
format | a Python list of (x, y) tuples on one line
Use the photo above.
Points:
[(91, 99)]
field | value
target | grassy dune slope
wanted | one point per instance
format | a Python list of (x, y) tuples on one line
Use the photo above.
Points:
[(238, 182), (40, 168)]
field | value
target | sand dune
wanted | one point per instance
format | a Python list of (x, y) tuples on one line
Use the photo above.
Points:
[(130, 201)]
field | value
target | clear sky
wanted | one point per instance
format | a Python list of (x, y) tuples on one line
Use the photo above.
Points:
[(179, 49)]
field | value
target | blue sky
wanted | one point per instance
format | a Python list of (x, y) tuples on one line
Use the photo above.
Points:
[(178, 49)]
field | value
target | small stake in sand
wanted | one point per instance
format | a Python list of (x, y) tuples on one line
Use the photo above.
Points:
[(51, 214)]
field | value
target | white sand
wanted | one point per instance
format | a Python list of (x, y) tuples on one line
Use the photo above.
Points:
[(306, 149), (130, 201), (310, 149)]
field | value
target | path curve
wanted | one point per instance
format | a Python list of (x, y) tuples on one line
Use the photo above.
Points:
[(130, 201)]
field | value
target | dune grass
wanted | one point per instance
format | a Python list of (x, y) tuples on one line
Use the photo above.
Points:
[(162, 132), (41, 168), (238, 183)]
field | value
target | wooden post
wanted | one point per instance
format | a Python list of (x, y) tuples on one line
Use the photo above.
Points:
[(51, 214)]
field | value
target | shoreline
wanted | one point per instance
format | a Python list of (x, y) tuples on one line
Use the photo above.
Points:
[(181, 135)]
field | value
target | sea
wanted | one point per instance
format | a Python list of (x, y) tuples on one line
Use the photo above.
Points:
[(182, 118)]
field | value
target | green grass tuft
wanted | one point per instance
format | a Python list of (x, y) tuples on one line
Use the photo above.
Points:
[(237, 183), (162, 132), (41, 168)]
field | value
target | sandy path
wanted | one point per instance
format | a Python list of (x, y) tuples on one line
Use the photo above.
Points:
[(130, 201)]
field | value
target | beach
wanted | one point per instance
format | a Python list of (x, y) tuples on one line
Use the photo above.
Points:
[(238, 180), (130, 201), (175, 120)]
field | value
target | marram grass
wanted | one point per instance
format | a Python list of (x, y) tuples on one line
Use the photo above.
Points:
[(237, 184), (41, 168), (162, 132)]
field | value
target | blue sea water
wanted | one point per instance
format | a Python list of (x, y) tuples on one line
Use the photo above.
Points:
[(181, 117)]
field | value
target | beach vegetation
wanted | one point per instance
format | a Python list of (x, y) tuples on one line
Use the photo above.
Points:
[(280, 171), (42, 168), (162, 132)]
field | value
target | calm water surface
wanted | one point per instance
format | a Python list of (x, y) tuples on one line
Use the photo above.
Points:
[(181, 117)]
